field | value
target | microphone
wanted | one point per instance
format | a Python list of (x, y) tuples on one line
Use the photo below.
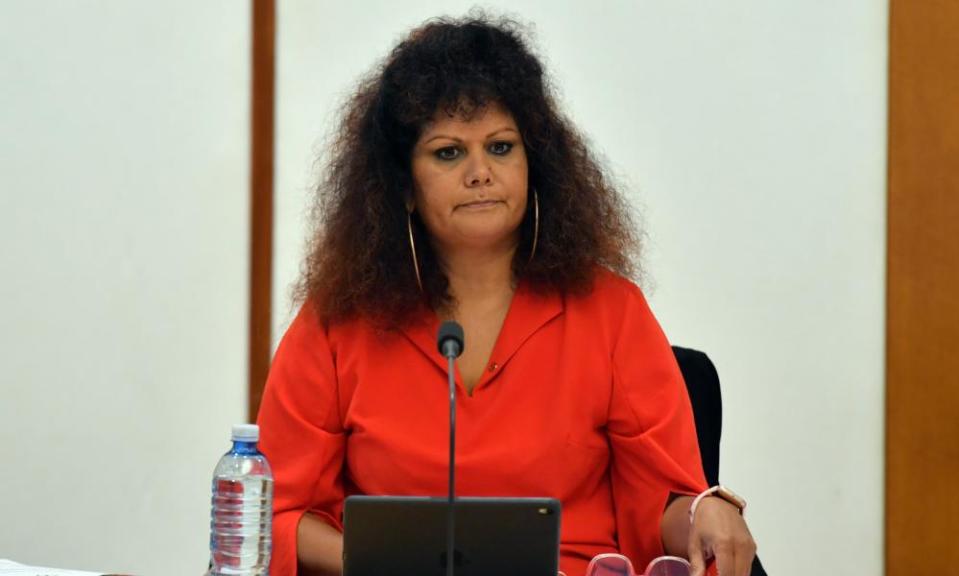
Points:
[(449, 342)]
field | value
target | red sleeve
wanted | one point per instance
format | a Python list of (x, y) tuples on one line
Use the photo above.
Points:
[(651, 430), (301, 434)]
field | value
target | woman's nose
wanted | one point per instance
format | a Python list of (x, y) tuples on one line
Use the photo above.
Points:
[(478, 173)]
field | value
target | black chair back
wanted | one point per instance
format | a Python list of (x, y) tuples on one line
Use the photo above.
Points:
[(702, 383)]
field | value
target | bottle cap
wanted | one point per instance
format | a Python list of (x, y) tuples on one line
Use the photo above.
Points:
[(246, 433)]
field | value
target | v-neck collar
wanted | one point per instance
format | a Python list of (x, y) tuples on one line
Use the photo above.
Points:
[(528, 312)]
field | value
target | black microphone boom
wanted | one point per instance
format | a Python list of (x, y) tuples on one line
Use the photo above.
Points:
[(449, 341)]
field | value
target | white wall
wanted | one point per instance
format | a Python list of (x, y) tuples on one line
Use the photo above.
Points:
[(123, 226), (752, 136)]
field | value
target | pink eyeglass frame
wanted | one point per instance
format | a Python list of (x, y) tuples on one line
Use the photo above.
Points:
[(649, 567)]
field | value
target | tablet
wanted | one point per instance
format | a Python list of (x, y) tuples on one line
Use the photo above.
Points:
[(406, 536)]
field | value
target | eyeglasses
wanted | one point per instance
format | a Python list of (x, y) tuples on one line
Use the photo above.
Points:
[(619, 565)]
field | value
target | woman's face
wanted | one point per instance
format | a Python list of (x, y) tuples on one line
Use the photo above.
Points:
[(470, 180)]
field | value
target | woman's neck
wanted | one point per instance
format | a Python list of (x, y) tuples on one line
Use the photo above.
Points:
[(479, 276)]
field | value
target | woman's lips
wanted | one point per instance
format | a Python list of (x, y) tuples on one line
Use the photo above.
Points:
[(479, 205)]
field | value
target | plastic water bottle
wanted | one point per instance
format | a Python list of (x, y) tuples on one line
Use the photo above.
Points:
[(242, 515)]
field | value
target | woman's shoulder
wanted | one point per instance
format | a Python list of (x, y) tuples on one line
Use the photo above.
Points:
[(611, 288), (610, 299), (613, 304), (310, 323), (355, 330)]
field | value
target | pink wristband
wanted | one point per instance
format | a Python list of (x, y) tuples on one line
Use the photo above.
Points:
[(720, 491)]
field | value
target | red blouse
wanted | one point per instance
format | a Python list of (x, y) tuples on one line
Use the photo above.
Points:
[(582, 401)]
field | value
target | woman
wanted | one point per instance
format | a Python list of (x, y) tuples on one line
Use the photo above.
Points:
[(457, 191)]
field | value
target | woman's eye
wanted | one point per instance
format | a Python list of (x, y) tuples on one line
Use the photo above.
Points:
[(448, 153), (500, 148)]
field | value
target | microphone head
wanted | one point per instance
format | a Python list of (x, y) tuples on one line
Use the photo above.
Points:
[(449, 339)]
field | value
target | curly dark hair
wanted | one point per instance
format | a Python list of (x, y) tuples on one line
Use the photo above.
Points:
[(359, 261)]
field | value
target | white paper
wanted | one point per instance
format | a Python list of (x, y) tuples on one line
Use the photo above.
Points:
[(10, 568)]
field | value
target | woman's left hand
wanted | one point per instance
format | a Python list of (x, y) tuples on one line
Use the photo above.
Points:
[(719, 531)]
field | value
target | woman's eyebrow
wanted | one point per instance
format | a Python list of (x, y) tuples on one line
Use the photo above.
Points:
[(503, 129), (456, 139), (441, 136)]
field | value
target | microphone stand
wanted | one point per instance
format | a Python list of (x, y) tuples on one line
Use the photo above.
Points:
[(450, 518), (450, 344)]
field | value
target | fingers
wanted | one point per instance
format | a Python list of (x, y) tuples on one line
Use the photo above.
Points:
[(697, 564), (734, 556), (745, 552), (720, 532), (725, 557)]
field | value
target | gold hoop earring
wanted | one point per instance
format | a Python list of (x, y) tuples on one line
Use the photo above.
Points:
[(532, 252), (416, 266)]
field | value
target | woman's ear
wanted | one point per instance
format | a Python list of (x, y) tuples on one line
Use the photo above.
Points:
[(410, 203)]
